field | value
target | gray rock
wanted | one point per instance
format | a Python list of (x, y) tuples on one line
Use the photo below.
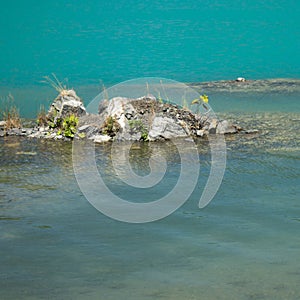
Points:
[(89, 125), (120, 108), (14, 131), (65, 104), (103, 106), (127, 134), (2, 124), (165, 128), (212, 128)]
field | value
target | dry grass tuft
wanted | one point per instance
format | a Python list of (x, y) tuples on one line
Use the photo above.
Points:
[(55, 83), (10, 113), (42, 119)]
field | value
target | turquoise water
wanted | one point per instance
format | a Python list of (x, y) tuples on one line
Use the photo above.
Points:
[(244, 245), (113, 41), (88, 45)]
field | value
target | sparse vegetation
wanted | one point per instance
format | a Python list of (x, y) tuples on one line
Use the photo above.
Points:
[(42, 119), (137, 125), (10, 113), (66, 126), (202, 100), (110, 126), (52, 121), (55, 83)]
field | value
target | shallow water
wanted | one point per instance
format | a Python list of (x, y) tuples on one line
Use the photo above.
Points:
[(243, 245)]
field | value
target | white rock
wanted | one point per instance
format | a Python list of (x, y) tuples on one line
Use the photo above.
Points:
[(200, 132)]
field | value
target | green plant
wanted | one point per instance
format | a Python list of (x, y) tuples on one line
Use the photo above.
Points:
[(69, 126), (10, 113), (144, 136)]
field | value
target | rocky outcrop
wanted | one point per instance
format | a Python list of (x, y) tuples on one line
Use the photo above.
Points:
[(59, 123), (65, 104), (148, 119), (123, 119)]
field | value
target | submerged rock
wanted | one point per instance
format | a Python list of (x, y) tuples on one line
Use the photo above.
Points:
[(101, 138), (241, 85)]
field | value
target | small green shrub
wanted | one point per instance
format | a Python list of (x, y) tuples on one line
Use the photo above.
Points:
[(69, 126)]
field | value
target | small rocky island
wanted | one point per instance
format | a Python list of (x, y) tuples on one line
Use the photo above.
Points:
[(122, 119)]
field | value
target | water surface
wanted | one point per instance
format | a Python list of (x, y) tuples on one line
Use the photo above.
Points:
[(244, 245)]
